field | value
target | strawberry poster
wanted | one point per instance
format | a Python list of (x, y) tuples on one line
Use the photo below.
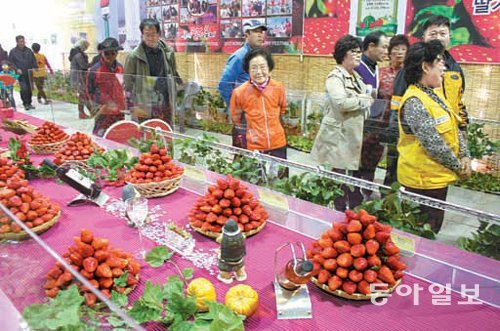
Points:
[(324, 23), (475, 26)]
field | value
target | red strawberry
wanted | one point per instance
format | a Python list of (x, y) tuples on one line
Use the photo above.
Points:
[(360, 263), (355, 276), (398, 274), (385, 274), (342, 246), (374, 261), (349, 287), (358, 250), (370, 275), (350, 214), (330, 264), (323, 276), (222, 184), (335, 234), (372, 247), (354, 226), (334, 283), (390, 248), (355, 238), (369, 232), (344, 260), (382, 237), (367, 219), (395, 263), (364, 287), (342, 272), (329, 253)]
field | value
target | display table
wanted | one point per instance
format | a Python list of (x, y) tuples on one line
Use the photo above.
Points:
[(23, 267)]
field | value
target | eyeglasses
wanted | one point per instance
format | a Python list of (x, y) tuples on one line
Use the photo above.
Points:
[(257, 68), (110, 53)]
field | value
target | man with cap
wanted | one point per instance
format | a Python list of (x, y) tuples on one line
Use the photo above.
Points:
[(104, 88), (234, 74)]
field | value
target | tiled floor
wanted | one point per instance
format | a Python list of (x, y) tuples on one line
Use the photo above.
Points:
[(455, 225)]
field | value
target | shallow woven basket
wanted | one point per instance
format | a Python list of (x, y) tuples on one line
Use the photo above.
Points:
[(38, 229), (214, 235), (47, 148), (354, 296), (158, 189)]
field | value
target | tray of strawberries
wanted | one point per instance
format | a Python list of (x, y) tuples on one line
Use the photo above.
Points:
[(355, 257), (48, 139), (156, 175), (78, 147), (98, 262), (227, 199), (36, 211)]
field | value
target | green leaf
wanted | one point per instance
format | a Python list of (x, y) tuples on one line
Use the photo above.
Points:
[(174, 285), (179, 304), (119, 299), (158, 255), (122, 280), (143, 313), (187, 273), (152, 295), (115, 321)]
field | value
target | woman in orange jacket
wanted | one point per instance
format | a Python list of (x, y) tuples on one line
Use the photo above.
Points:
[(258, 105)]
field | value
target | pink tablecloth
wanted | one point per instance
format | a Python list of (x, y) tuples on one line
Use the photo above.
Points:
[(23, 266)]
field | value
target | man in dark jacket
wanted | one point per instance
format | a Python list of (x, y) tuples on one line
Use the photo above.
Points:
[(151, 58), (23, 60)]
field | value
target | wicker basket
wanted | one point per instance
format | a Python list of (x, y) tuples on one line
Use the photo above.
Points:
[(47, 148), (354, 296), (158, 189), (214, 235), (38, 229)]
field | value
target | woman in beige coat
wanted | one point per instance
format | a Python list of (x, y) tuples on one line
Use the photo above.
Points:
[(340, 137)]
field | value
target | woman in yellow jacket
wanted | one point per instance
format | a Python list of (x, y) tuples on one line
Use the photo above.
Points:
[(433, 152), (259, 104)]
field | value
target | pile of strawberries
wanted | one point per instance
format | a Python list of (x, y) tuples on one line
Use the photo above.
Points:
[(9, 170), (96, 261), (48, 133), (353, 254), (79, 147), (29, 206), (228, 199), (154, 166)]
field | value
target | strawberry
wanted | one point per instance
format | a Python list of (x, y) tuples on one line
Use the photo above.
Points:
[(370, 275), (369, 232), (342, 227), (360, 263), (364, 287), (334, 283), (234, 184), (76, 258), (382, 237), (52, 293), (342, 272), (358, 250), (85, 250), (355, 275), (374, 261), (101, 255), (395, 263), (323, 276), (390, 248), (316, 268), (235, 202), (350, 214), (344, 260), (218, 193), (329, 253), (372, 247), (349, 287), (330, 264), (216, 209), (361, 213), (100, 243), (325, 242), (354, 226), (335, 234), (90, 299), (222, 184), (386, 275), (90, 264), (116, 262), (398, 274), (318, 258), (229, 194), (104, 271), (342, 246), (367, 219), (354, 238)]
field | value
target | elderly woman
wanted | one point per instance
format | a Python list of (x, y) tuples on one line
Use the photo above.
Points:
[(432, 150), (260, 102), (79, 66), (340, 136)]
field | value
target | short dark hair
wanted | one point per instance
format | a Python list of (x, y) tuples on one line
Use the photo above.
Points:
[(344, 45), (35, 47), (150, 22), (258, 52), (417, 54), (437, 20), (372, 37), (399, 39), (19, 37)]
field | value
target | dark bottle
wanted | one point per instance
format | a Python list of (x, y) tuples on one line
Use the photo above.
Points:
[(76, 180), (296, 273)]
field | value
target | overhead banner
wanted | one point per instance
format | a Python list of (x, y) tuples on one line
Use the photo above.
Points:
[(217, 25)]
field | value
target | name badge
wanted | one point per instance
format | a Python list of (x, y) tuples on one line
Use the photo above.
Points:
[(442, 119)]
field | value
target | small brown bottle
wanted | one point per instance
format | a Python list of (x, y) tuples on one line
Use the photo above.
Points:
[(296, 273)]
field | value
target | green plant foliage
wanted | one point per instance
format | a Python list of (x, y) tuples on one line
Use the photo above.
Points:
[(158, 255), (485, 241), (111, 163), (306, 186), (216, 126), (59, 88), (481, 182), (301, 143), (479, 142), (402, 215)]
